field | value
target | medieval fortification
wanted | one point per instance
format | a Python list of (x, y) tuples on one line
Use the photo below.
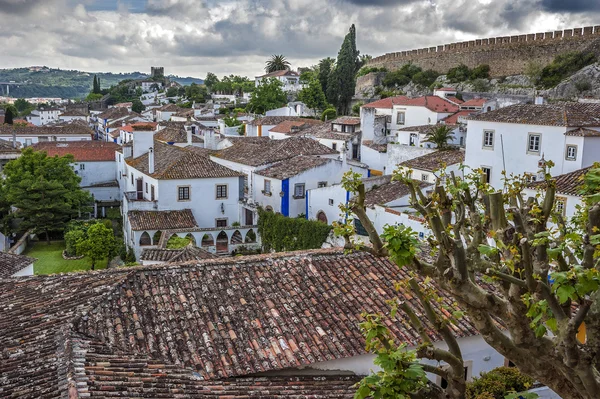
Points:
[(506, 55)]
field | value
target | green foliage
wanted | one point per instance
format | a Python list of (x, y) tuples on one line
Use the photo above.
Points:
[(533, 70), (312, 95), (401, 375), (45, 191), (281, 233), (210, 80), (563, 66), (233, 84), (231, 121), (197, 93), (268, 95), (425, 78), (329, 114), (356, 108), (99, 244), (459, 73), (10, 113), (176, 242), (130, 256), (401, 242), (402, 76), (96, 85), (23, 106), (308, 75), (276, 63), (481, 85), (583, 85), (497, 383), (72, 237), (93, 97), (480, 72), (341, 83), (366, 70), (439, 135), (137, 106), (324, 69)]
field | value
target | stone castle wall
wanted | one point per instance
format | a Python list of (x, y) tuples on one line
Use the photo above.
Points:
[(507, 55)]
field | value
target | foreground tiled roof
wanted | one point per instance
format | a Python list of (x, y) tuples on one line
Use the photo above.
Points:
[(138, 125), (202, 329), (583, 132), (453, 119), (565, 114), (346, 120), (377, 147), (11, 264), (323, 131), (419, 128), (161, 220), (475, 102), (272, 151), (174, 135), (82, 151), (293, 166), (389, 191), (6, 147), (185, 254), (67, 129), (115, 113), (567, 184), (434, 161), (172, 162), (273, 120)]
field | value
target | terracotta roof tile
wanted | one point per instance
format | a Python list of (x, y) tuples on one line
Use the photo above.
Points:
[(323, 131), (66, 129), (474, 102), (583, 132), (174, 135), (377, 147), (433, 161), (567, 184), (389, 191), (420, 128), (453, 119), (290, 126), (293, 166), (565, 114), (6, 147), (114, 113), (161, 220), (273, 120), (12, 263), (82, 151), (186, 254), (387, 103), (73, 112), (346, 120), (455, 100), (172, 162), (432, 103)]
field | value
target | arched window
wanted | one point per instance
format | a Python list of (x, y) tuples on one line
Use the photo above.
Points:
[(156, 238), (222, 243), (250, 236), (322, 217), (145, 239), (190, 237), (236, 238), (269, 208), (208, 240)]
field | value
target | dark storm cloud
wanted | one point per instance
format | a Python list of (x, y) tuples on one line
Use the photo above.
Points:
[(571, 5), (21, 6), (381, 3)]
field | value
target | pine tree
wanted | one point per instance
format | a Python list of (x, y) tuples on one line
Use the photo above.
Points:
[(342, 81)]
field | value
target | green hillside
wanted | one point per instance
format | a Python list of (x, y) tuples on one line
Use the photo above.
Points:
[(65, 83)]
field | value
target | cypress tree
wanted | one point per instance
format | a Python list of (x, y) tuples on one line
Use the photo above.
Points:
[(8, 116), (342, 79)]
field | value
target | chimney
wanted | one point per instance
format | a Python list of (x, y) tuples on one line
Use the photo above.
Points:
[(539, 100), (189, 136), (343, 156), (150, 160)]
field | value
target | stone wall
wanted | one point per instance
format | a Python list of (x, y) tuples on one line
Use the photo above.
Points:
[(507, 55)]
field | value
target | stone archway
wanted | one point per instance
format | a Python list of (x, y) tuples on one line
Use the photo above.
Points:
[(145, 239), (192, 239), (236, 238), (250, 237), (208, 240), (222, 243), (156, 237)]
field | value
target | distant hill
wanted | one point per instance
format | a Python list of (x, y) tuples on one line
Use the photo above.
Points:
[(49, 82)]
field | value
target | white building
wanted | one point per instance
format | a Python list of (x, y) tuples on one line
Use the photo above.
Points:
[(112, 118), (73, 115), (295, 108), (13, 265), (260, 127), (515, 138), (43, 116), (428, 167), (95, 164), (27, 136), (290, 80)]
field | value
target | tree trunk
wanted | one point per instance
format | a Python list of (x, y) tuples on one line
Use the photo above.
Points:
[(93, 264), (47, 237)]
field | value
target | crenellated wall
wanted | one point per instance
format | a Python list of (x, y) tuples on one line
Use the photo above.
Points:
[(507, 55)]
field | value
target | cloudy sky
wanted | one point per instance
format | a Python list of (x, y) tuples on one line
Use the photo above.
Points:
[(192, 37)]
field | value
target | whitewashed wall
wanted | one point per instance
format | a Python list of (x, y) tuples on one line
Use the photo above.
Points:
[(398, 153), (375, 159)]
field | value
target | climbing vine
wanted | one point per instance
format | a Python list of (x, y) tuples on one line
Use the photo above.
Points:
[(281, 233)]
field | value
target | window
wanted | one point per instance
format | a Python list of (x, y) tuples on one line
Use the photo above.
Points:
[(571, 153), (221, 222), (146, 188), (81, 166), (183, 193), (334, 146), (330, 201), (27, 142), (132, 178), (487, 172), (400, 118), (221, 191), (424, 177), (299, 190), (267, 189), (322, 184), (560, 205), (533, 142), (488, 138)]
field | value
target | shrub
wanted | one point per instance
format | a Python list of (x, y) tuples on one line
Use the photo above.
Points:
[(480, 72), (497, 383), (425, 78), (563, 66), (176, 242), (481, 85), (72, 237), (130, 258), (366, 70), (356, 108), (113, 213), (459, 73), (583, 85), (329, 114), (281, 233)]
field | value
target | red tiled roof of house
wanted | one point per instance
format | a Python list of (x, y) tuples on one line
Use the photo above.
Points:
[(455, 100), (135, 126), (583, 132), (387, 103), (292, 167), (432, 103), (68, 129), (161, 220), (273, 120), (82, 151), (389, 191), (203, 328), (446, 89), (435, 160), (475, 102), (377, 147), (346, 120), (186, 254), (567, 184), (453, 119), (289, 125)]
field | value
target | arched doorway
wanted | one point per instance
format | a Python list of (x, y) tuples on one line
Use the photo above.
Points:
[(322, 217), (222, 243), (208, 240), (145, 239)]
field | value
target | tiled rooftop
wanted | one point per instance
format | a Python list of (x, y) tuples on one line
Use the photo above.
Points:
[(175, 135), (202, 329), (283, 72), (67, 129), (268, 152), (386, 103), (433, 103), (273, 120), (82, 151), (453, 119), (12, 263), (161, 220), (290, 125), (475, 102), (567, 184), (420, 128), (6, 147), (565, 114), (434, 161), (189, 253), (293, 166), (172, 162), (583, 132), (389, 191), (114, 113), (346, 120), (377, 147)]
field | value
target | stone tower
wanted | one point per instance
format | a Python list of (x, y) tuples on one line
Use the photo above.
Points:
[(157, 72)]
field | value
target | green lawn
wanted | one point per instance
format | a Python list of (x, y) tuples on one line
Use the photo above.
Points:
[(50, 259)]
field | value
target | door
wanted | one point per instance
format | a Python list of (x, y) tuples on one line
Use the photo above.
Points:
[(152, 192), (140, 189), (249, 217)]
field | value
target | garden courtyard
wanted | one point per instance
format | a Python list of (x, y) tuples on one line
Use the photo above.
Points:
[(50, 260)]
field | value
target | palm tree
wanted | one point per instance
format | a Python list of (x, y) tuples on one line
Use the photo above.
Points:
[(439, 135), (276, 63)]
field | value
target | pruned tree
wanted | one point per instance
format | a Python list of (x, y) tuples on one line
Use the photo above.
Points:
[(98, 243), (513, 265)]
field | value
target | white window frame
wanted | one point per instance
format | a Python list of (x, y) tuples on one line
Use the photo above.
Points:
[(574, 148), (299, 185), (531, 150), (562, 209), (488, 144), (403, 119), (267, 183)]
